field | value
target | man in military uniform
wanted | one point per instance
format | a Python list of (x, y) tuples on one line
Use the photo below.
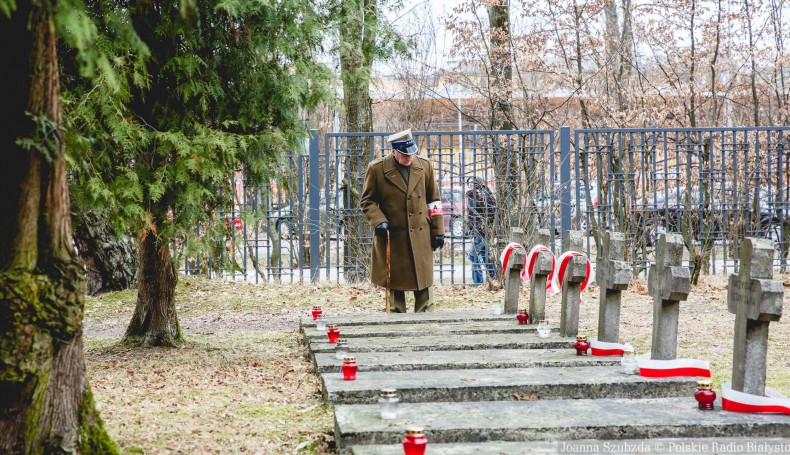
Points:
[(401, 197)]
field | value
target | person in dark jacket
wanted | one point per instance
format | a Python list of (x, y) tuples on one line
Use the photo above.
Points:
[(480, 222), (400, 197)]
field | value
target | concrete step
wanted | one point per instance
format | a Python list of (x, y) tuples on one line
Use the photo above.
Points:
[(710, 446), (407, 318), (553, 420), (458, 360), (447, 343), (426, 328), (503, 384)]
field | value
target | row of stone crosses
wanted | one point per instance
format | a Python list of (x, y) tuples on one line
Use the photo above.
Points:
[(752, 295)]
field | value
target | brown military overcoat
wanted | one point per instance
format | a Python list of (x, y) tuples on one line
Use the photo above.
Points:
[(386, 198)]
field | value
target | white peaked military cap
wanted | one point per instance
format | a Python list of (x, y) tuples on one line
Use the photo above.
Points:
[(403, 142)]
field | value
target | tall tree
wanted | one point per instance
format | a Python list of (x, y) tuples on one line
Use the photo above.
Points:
[(364, 37), (221, 89), (748, 12), (46, 405)]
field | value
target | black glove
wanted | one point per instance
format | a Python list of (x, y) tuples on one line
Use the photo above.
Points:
[(437, 242), (381, 229)]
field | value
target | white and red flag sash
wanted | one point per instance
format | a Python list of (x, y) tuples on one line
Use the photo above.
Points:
[(603, 348), (556, 285), (735, 401), (530, 261), (505, 257), (650, 368)]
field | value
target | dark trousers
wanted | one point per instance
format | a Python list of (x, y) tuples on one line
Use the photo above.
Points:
[(423, 300)]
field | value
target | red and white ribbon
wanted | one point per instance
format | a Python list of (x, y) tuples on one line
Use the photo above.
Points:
[(735, 401), (602, 348), (650, 368), (504, 258), (556, 285), (530, 261)]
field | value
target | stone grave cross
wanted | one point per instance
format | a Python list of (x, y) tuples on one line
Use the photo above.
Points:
[(669, 283), (613, 275), (574, 275), (543, 237), (574, 241), (537, 286), (513, 279), (756, 300)]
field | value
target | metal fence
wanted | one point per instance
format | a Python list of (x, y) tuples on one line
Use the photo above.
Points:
[(714, 186)]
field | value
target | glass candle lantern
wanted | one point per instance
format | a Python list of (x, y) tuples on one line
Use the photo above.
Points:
[(544, 329), (628, 362), (705, 395), (317, 311), (581, 345), (522, 316), (388, 403), (341, 348), (320, 323), (332, 332), (497, 309), (349, 368), (414, 443)]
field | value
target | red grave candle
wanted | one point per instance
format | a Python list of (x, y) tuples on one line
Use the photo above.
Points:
[(581, 345), (332, 332), (705, 395), (349, 368), (414, 443), (317, 311), (522, 317)]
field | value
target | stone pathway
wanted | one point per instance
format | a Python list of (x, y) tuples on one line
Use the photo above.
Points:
[(482, 384)]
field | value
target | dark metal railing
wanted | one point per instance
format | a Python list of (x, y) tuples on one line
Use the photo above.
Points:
[(713, 185)]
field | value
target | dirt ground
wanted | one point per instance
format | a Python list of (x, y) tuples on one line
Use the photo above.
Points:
[(242, 382)]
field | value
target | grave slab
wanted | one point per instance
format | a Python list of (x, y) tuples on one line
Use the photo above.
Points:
[(710, 446), (503, 384), (458, 360), (406, 318), (427, 328), (553, 420), (447, 343)]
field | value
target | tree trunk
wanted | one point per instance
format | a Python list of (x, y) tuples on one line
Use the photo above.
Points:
[(714, 112), (46, 405), (753, 73), (155, 322), (506, 162), (110, 257), (357, 51), (619, 53)]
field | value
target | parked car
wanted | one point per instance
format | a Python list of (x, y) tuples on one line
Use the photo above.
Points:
[(284, 217), (584, 205), (667, 211), (454, 210)]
